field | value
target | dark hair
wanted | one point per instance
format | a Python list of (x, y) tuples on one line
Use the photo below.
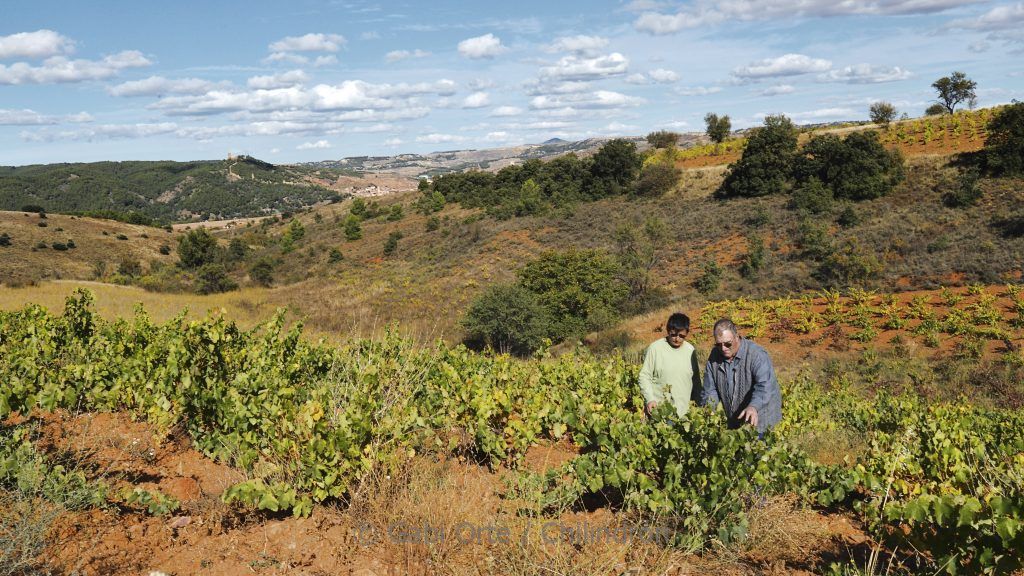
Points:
[(678, 321)]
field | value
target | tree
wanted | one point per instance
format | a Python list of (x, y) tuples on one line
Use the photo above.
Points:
[(507, 318), (580, 288), (717, 127), (197, 248), (212, 279), (935, 110), (615, 164), (882, 113), (1004, 145), (662, 139), (262, 273), (353, 230), (130, 267), (391, 244), (855, 168), (767, 161), (954, 89), (639, 249)]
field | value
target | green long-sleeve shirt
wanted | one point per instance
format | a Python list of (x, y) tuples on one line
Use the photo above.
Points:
[(670, 375)]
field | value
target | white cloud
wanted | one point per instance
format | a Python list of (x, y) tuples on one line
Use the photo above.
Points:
[(576, 68), (1003, 23), (823, 114), (698, 90), (979, 47), (584, 45), (58, 69), (598, 99), (498, 136), (370, 35), (79, 118), (286, 57), (663, 76), (104, 132), (785, 65), (481, 84), (35, 45), (503, 111), (318, 145), (711, 12), (538, 88), (476, 100), (619, 127), (777, 90), (282, 80), (866, 74), (24, 117), (158, 85), (309, 43), (396, 55), (486, 46), (393, 142), (326, 60), (637, 78), (439, 138), (677, 124)]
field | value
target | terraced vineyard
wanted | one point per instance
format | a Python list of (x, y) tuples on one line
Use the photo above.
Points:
[(938, 484)]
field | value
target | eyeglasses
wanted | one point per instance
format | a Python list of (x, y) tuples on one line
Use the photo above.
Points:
[(726, 344), (677, 334)]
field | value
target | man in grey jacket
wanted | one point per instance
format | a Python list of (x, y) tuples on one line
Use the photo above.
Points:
[(739, 375)]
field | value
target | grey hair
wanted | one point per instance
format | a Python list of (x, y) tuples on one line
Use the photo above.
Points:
[(725, 325)]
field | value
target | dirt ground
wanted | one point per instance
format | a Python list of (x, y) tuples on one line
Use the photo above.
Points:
[(437, 517)]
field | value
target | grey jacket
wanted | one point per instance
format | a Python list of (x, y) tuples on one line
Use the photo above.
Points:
[(754, 384)]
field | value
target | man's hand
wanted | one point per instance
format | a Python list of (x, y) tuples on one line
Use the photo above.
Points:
[(649, 408), (749, 415)]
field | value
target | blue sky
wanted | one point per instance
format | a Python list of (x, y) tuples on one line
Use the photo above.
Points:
[(312, 80)]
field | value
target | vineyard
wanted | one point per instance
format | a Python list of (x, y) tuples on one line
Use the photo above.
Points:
[(938, 485), (963, 131)]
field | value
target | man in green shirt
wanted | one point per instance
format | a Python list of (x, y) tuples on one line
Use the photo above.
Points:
[(670, 372)]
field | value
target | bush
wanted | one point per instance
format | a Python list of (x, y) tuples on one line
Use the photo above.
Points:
[(213, 278), (237, 250), (59, 246), (754, 261), (710, 279), (507, 318), (391, 244), (965, 191), (395, 213), (197, 248), (121, 237), (814, 239), (657, 178), (849, 216), (812, 197), (615, 166), (71, 244), (353, 230), (579, 288), (662, 139), (935, 110), (129, 267), (165, 249), (335, 256), (42, 224), (767, 161), (5, 239), (262, 273), (433, 223), (1004, 145), (856, 168)]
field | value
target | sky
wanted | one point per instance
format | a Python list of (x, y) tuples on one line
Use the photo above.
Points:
[(310, 80)]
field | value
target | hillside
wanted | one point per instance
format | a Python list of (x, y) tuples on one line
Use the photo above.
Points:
[(168, 191)]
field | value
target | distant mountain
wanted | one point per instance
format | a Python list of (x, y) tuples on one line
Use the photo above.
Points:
[(170, 191), (444, 162)]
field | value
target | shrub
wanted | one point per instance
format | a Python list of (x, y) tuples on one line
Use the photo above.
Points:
[(197, 248), (391, 244), (1004, 144), (353, 230), (615, 166), (395, 213), (965, 191), (767, 161), (41, 245), (507, 318), (5, 239), (657, 178), (812, 197), (935, 110), (33, 208), (849, 216), (237, 249), (851, 264), (710, 279), (814, 238), (129, 267), (121, 237), (662, 139), (71, 244), (42, 224), (262, 273), (433, 223), (165, 249), (59, 246), (759, 217), (754, 260), (335, 256), (213, 278), (579, 288)]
